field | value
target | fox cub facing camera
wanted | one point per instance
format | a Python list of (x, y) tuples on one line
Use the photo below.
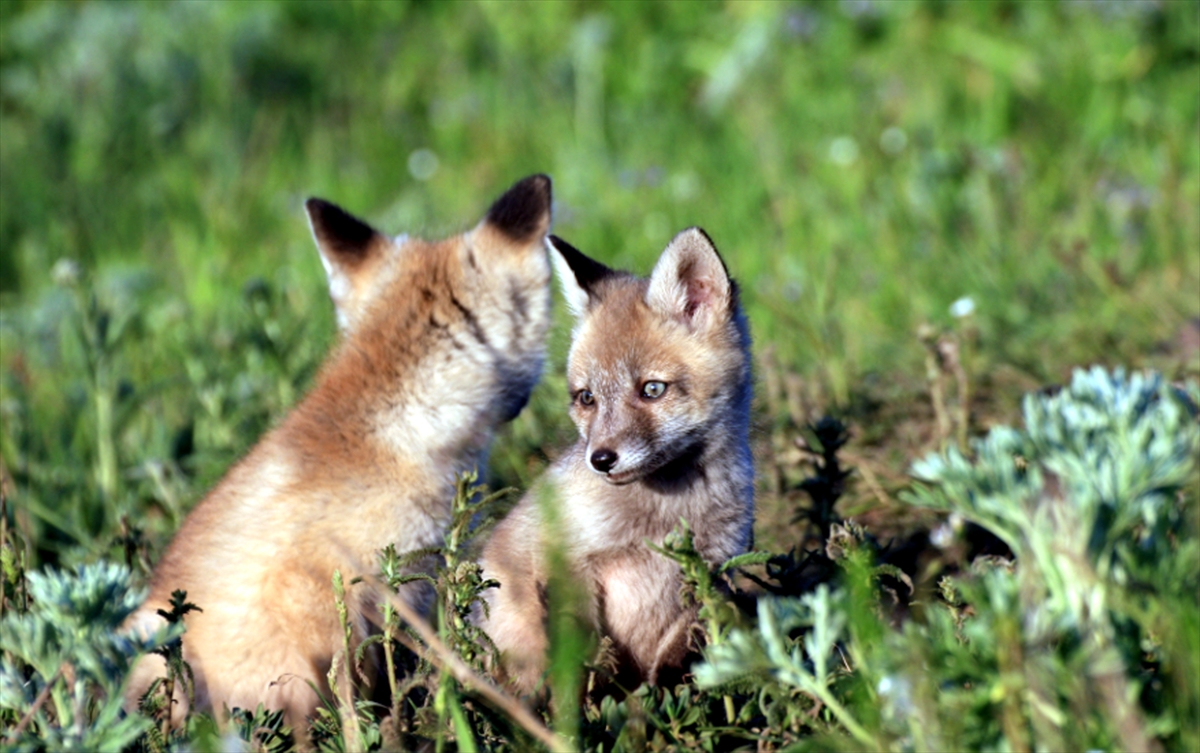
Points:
[(659, 375), (440, 342)]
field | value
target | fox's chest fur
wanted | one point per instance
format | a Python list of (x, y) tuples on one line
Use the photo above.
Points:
[(635, 590)]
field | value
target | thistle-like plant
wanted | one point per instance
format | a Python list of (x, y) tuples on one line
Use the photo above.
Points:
[(825, 487), (706, 587), (159, 698), (264, 730)]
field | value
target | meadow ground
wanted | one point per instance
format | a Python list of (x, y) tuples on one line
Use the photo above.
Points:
[(932, 208)]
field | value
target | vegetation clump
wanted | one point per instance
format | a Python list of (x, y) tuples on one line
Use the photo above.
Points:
[(1085, 639)]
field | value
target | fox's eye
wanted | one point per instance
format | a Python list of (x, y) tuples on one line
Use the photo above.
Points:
[(654, 390), (586, 397)]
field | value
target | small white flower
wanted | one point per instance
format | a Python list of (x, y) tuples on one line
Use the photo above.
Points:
[(843, 151), (65, 272), (964, 306), (942, 536), (422, 164)]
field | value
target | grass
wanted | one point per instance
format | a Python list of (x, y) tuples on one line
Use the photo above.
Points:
[(862, 167)]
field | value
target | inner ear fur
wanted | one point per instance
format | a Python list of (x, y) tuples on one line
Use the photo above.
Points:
[(690, 281)]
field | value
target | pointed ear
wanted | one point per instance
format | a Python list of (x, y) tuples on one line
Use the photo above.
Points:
[(690, 282), (350, 249), (522, 214), (577, 274)]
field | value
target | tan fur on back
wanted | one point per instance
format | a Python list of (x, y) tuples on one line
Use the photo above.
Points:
[(685, 455), (441, 342)]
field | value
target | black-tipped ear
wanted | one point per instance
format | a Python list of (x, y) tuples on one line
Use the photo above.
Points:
[(587, 270), (339, 234), (578, 274), (523, 212), (350, 249)]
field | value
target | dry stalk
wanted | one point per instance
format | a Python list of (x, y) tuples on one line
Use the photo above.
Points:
[(864, 466), (933, 373), (951, 358)]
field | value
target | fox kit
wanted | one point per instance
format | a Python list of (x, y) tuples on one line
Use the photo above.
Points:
[(659, 375), (440, 342)]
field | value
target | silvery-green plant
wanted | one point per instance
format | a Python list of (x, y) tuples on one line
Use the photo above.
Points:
[(790, 666), (1086, 640), (1096, 497), (1088, 493), (66, 659)]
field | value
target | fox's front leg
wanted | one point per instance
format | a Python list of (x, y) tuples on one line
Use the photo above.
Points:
[(673, 646), (515, 618)]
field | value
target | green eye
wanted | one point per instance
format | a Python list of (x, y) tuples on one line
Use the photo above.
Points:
[(654, 390), (586, 397)]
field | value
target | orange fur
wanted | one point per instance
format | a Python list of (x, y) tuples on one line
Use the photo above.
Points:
[(440, 343)]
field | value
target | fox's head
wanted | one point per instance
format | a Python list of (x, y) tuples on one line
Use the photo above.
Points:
[(458, 323), (659, 368)]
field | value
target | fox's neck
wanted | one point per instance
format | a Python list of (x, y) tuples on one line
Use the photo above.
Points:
[(395, 416)]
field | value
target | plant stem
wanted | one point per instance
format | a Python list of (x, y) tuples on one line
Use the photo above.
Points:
[(38, 702), (106, 453), (933, 373), (389, 632), (441, 655), (349, 716), (169, 689), (4, 533), (852, 726)]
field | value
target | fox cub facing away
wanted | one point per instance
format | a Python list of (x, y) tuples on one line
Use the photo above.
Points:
[(659, 374), (440, 342)]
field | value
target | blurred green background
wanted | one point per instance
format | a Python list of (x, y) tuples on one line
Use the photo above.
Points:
[(861, 165)]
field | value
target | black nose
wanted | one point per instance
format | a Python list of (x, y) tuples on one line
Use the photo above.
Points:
[(604, 460)]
